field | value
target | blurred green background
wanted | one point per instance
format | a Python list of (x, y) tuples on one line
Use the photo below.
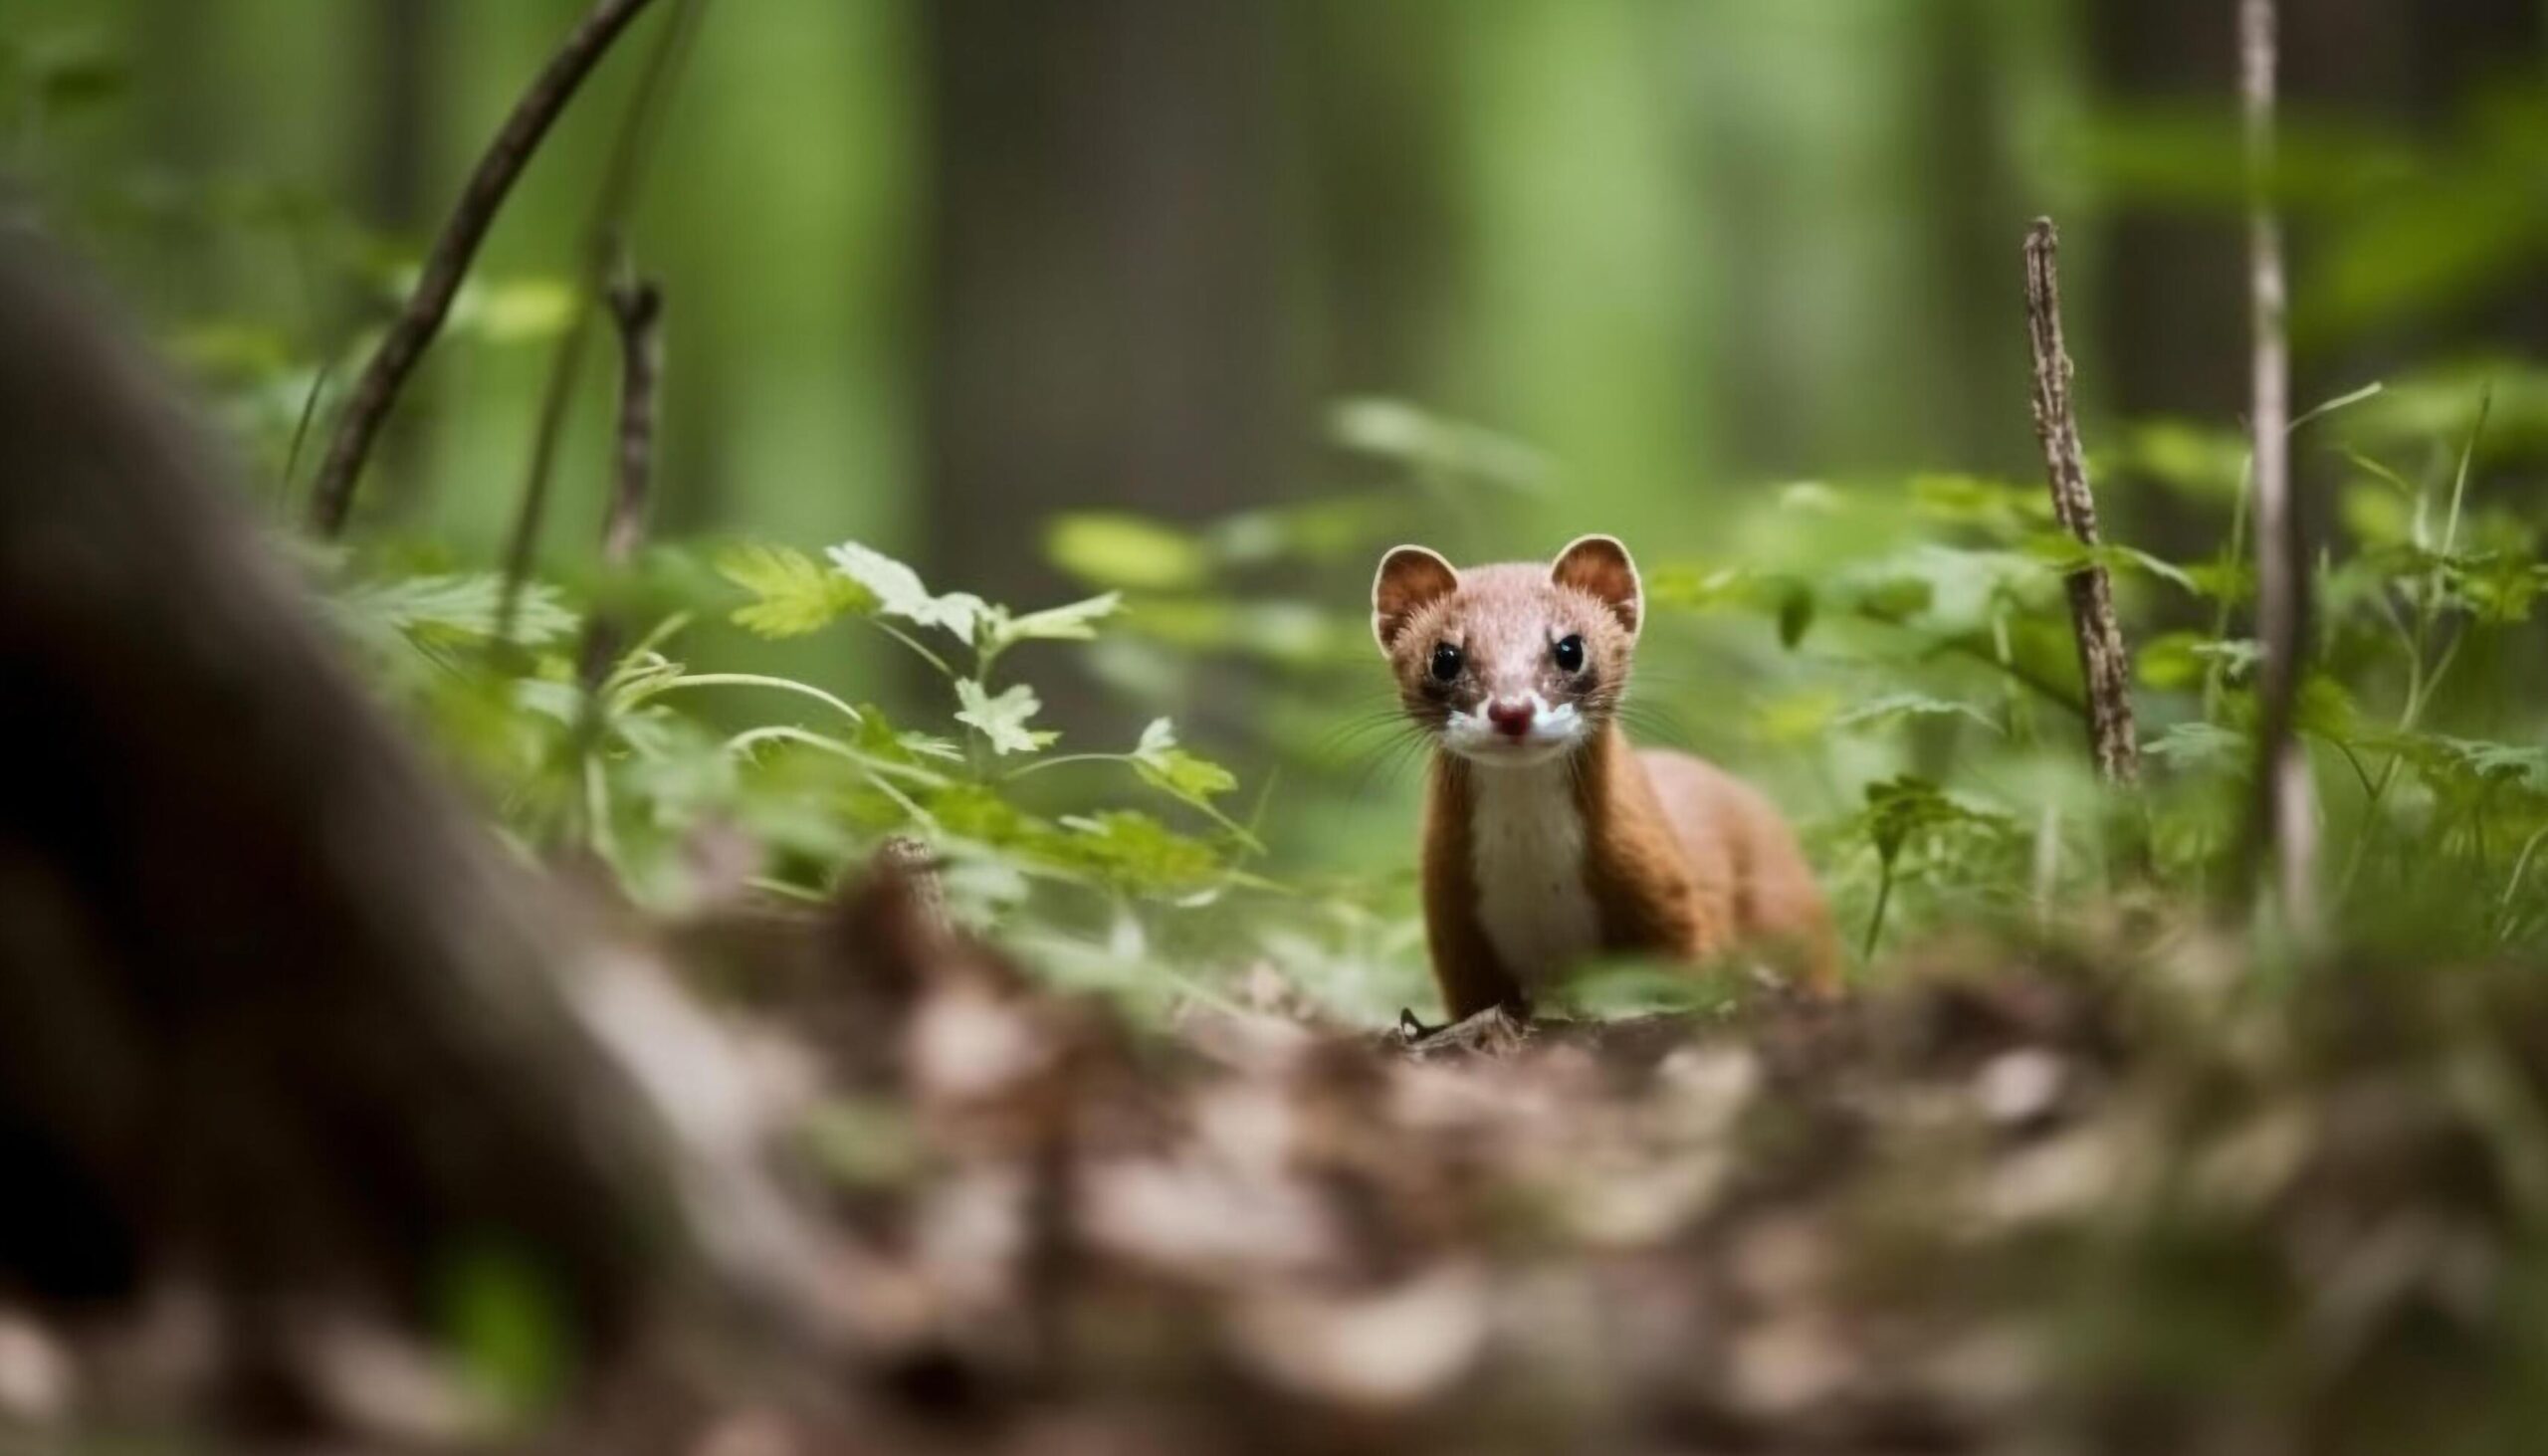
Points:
[(997, 287)]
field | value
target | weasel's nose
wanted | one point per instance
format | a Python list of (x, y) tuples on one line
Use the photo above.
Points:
[(1511, 717)]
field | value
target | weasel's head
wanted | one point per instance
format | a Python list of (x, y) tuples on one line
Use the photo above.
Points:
[(1510, 664)]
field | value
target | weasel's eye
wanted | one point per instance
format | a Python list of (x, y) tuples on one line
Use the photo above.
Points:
[(1446, 662), (1569, 653)]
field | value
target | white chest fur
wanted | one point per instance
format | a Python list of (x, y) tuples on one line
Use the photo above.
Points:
[(1526, 842)]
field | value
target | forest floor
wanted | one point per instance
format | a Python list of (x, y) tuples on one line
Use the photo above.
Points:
[(2119, 1196)]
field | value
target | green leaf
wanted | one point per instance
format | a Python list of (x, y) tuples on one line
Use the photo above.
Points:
[(2324, 709), (1287, 632), (501, 1317), (899, 592), (2474, 764), (1795, 614), (2376, 515), (1895, 706), (513, 311), (460, 606), (2165, 571), (1334, 531), (878, 739), (2501, 589), (1136, 852), (1119, 549), (2198, 461), (1908, 804), (2237, 655), (1998, 507), (1002, 719), (1812, 498), (2524, 763), (795, 594), (1703, 587), (2194, 746), (1436, 446), (1076, 622), (975, 812), (2223, 582), (1945, 588), (2172, 660), (1798, 716), (2067, 554), (1164, 765)]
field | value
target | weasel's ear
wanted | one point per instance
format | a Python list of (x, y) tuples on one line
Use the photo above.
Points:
[(1600, 565), (1411, 579)]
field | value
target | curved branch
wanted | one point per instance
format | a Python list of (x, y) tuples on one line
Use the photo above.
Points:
[(421, 319)]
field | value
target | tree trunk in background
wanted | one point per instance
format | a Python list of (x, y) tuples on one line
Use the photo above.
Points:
[(1105, 327), (1379, 105), (397, 173), (400, 86), (2174, 316), (2173, 309), (1976, 220)]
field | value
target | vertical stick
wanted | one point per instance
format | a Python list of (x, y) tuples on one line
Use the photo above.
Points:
[(2284, 824), (637, 308), (2105, 667)]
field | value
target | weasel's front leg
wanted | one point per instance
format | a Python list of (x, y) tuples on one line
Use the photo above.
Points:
[(1472, 976)]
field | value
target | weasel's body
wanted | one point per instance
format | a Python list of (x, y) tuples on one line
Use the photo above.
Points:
[(1549, 839)]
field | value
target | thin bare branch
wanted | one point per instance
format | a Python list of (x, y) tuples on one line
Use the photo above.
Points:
[(637, 308), (447, 264), (605, 239), (2284, 825), (2104, 666)]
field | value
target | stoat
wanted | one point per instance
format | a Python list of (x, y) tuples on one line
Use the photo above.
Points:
[(1549, 838)]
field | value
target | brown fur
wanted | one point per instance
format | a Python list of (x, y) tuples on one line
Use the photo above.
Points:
[(1679, 858)]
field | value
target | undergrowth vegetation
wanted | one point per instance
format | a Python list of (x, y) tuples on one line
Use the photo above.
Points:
[(1895, 656)]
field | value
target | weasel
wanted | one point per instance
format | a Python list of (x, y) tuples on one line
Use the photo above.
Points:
[(1548, 837)]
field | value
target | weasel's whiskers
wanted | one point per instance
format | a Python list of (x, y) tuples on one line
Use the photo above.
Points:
[(1386, 761), (1358, 729)]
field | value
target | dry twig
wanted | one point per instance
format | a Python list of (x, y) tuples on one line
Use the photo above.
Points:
[(637, 308), (2105, 667), (421, 319)]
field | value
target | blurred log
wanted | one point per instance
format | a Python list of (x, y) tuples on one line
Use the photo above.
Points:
[(272, 1007)]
